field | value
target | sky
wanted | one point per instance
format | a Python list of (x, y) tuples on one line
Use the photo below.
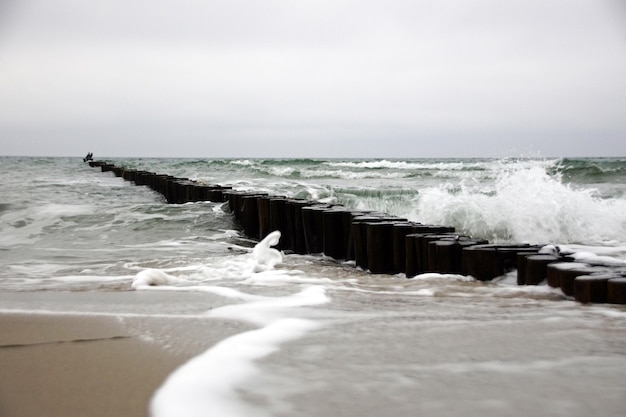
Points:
[(304, 78)]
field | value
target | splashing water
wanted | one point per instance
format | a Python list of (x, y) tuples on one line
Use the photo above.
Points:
[(265, 257), (524, 205)]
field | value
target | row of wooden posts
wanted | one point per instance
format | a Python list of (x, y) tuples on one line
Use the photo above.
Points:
[(386, 244)]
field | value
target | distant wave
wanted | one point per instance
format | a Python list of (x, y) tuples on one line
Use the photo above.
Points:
[(591, 170), (433, 164)]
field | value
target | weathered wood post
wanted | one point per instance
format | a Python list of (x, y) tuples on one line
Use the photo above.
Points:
[(335, 238), (379, 241), (592, 288), (278, 221), (294, 218), (616, 291), (536, 268), (312, 224), (263, 208)]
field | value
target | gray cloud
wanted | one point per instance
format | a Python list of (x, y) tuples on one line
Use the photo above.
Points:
[(342, 78)]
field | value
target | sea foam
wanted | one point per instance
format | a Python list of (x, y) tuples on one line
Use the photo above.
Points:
[(524, 205), (210, 384), (263, 258), (271, 309)]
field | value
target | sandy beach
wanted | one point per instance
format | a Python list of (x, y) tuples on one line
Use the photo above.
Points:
[(97, 353), (77, 366)]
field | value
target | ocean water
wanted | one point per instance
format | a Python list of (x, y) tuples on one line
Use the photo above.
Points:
[(319, 337)]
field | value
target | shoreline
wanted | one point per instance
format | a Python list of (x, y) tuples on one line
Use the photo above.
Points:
[(106, 354), (73, 354), (78, 353), (73, 366)]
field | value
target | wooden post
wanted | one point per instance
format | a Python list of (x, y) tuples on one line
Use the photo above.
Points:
[(592, 288), (250, 215), (536, 268), (567, 277), (278, 221), (379, 247), (334, 239), (294, 217), (486, 262), (399, 232), (616, 290), (313, 227)]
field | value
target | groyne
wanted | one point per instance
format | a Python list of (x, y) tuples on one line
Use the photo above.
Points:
[(384, 244)]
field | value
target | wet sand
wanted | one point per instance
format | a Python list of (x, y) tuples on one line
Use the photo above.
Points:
[(74, 366), (98, 353)]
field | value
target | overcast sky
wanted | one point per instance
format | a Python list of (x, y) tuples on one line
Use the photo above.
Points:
[(339, 78)]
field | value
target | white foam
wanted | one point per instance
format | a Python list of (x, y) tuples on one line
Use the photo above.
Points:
[(225, 234), (242, 162), (522, 291), (379, 164), (208, 384), (425, 292), (150, 277), (352, 175), (524, 204), (284, 277), (593, 258), (281, 171), (264, 256), (606, 255), (270, 309), (430, 276)]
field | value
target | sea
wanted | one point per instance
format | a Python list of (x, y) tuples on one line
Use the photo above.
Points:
[(309, 335)]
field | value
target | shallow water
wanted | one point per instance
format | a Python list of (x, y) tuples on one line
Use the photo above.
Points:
[(313, 336)]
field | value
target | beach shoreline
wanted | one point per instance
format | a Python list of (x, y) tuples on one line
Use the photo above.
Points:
[(72, 354), (78, 353), (57, 365)]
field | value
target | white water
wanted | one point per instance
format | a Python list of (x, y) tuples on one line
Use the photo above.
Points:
[(524, 205), (208, 384)]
